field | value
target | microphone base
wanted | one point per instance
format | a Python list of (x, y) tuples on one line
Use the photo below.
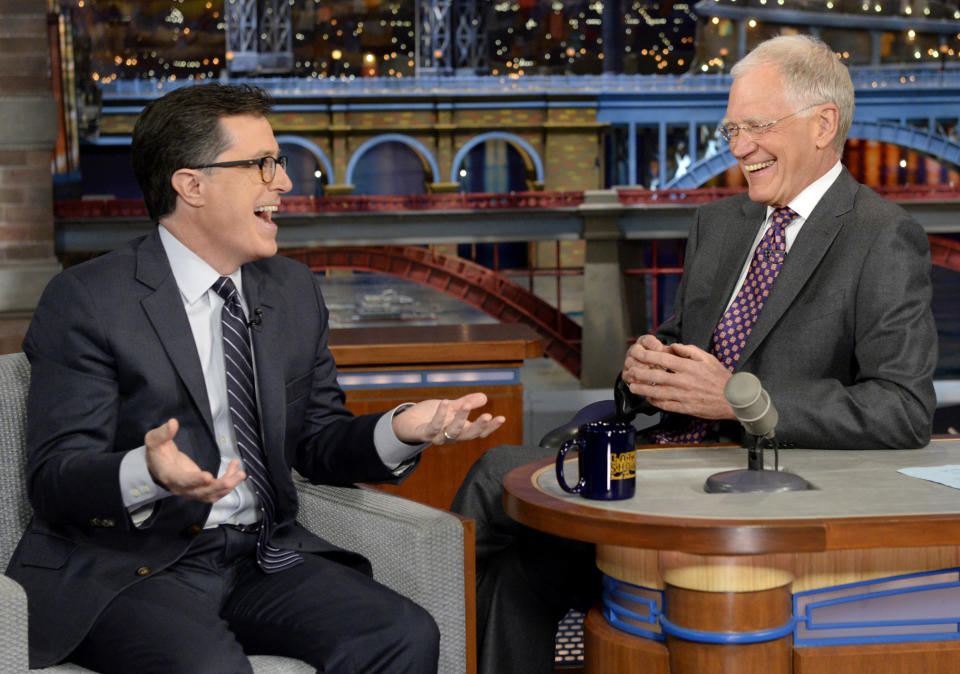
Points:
[(745, 481)]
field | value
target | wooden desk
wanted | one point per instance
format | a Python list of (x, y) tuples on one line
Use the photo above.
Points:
[(380, 367), (731, 583)]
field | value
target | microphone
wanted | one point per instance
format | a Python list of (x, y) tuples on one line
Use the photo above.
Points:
[(753, 409), (258, 318), (751, 404)]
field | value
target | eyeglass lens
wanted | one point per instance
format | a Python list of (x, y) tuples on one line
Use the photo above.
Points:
[(268, 167)]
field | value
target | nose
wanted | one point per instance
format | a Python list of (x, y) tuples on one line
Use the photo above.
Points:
[(281, 181), (741, 145)]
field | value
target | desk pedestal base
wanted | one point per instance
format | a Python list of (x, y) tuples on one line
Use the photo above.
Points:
[(729, 612), (607, 649)]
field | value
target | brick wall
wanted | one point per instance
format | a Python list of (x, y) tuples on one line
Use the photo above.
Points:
[(28, 130)]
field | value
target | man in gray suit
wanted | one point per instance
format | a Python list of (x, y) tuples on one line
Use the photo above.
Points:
[(175, 383), (811, 281)]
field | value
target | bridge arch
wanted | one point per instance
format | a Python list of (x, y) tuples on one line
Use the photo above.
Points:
[(466, 281), (429, 162), (935, 145), (313, 149), (531, 159), (945, 252)]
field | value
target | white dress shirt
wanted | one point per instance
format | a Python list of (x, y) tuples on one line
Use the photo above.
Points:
[(803, 205), (194, 278)]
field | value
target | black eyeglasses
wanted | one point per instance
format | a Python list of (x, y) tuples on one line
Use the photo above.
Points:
[(268, 165)]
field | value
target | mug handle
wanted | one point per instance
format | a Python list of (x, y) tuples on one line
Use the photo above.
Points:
[(561, 455)]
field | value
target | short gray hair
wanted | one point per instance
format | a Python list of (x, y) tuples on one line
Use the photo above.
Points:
[(812, 73)]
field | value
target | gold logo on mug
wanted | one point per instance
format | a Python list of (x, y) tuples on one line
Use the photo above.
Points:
[(623, 466)]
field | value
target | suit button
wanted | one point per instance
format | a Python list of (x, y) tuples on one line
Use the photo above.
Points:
[(143, 571)]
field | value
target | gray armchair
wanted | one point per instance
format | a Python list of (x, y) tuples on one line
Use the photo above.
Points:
[(424, 553)]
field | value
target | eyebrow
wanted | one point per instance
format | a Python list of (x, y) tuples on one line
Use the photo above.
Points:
[(747, 121)]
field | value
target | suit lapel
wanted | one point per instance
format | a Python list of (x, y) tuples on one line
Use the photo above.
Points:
[(164, 309), (735, 248), (818, 233)]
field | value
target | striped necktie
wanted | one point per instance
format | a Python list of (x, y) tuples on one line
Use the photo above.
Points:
[(731, 333), (242, 400)]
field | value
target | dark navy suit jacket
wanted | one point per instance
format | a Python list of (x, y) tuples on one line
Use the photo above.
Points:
[(112, 356)]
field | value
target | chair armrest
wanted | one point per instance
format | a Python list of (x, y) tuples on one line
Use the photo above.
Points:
[(416, 550), (13, 626)]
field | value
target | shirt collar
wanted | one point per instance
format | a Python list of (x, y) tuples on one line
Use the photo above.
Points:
[(804, 203), (192, 274)]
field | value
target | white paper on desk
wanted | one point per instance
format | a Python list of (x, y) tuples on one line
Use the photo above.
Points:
[(948, 475)]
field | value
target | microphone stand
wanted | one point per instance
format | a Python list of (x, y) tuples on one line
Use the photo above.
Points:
[(756, 478), (755, 453)]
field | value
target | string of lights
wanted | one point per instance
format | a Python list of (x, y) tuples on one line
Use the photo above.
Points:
[(166, 41)]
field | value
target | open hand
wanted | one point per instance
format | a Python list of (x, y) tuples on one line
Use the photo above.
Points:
[(445, 421), (179, 474)]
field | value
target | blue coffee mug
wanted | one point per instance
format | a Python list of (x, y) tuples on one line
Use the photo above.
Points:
[(607, 459)]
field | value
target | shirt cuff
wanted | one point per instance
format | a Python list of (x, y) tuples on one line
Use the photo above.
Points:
[(393, 451), (136, 485)]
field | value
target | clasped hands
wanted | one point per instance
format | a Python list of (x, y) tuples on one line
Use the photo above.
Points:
[(435, 421), (678, 378)]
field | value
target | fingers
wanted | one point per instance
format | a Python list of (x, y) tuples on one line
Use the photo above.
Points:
[(161, 434), (634, 365), (435, 431), (179, 474), (651, 343), (217, 489), (483, 426), (453, 424), (200, 485), (689, 351), (451, 427), (684, 378), (471, 401), (659, 374), (442, 422)]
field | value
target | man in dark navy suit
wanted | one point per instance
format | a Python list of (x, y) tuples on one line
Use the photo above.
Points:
[(165, 536)]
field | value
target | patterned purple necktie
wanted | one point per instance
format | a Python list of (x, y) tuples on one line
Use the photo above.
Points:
[(731, 333), (241, 397)]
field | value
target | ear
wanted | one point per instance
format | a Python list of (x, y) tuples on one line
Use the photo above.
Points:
[(828, 122), (188, 184)]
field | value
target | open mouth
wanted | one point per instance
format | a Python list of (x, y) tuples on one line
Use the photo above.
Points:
[(762, 165), (265, 213)]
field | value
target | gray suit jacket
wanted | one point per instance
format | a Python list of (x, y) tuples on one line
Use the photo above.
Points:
[(845, 344), (112, 356)]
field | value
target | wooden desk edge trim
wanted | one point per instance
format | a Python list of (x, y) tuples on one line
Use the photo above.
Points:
[(529, 505), (426, 352)]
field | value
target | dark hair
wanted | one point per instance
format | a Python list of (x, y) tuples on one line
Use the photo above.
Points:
[(182, 129)]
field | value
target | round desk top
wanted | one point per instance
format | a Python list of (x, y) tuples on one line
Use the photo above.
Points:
[(858, 501)]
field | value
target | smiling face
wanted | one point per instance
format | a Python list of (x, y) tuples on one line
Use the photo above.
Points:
[(231, 216), (790, 155)]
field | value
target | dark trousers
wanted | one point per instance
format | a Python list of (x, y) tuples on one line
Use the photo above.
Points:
[(214, 607), (526, 580)]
